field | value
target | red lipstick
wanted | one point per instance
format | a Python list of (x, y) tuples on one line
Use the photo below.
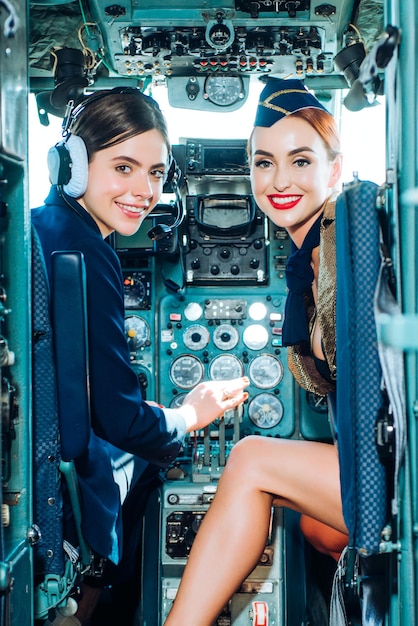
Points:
[(284, 203)]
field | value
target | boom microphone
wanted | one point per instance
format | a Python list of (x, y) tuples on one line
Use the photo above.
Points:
[(159, 231)]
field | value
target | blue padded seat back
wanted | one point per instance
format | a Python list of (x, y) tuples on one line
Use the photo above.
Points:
[(60, 392), (48, 499), (359, 389), (69, 320)]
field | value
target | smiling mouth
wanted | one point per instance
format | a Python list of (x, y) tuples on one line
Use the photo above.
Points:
[(130, 210), (284, 203)]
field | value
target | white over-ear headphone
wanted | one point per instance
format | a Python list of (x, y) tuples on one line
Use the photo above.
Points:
[(68, 159), (68, 165)]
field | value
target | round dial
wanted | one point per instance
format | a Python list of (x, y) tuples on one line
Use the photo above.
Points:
[(255, 337), (266, 371), (265, 410), (196, 337), (135, 290), (186, 371), (177, 401), (225, 366), (225, 337), (193, 311), (137, 332), (317, 403), (223, 90), (257, 311)]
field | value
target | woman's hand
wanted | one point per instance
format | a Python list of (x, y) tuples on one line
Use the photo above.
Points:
[(211, 399)]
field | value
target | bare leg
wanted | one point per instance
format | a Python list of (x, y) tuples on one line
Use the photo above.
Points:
[(323, 538), (299, 474)]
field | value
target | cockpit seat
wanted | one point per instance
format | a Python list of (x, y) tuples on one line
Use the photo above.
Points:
[(61, 428), (370, 416)]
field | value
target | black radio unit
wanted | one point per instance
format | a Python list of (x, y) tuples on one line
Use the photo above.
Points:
[(212, 157)]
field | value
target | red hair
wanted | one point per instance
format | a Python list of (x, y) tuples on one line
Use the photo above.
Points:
[(326, 127), (324, 124)]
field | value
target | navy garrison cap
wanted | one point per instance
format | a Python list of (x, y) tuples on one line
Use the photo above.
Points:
[(280, 98)]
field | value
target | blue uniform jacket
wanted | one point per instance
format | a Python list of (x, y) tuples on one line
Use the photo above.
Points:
[(119, 414)]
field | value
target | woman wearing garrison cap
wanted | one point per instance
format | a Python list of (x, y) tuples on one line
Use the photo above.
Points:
[(295, 161)]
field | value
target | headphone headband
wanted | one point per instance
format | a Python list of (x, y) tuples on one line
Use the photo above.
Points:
[(74, 109)]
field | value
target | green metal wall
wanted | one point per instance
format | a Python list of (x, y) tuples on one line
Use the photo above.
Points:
[(402, 331), (16, 560)]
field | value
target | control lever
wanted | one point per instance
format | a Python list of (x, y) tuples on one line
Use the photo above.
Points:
[(222, 443), (206, 447)]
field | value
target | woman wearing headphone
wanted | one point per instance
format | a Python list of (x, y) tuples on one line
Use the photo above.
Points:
[(109, 173), (295, 162)]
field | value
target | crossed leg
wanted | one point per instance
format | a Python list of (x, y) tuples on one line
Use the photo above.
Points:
[(260, 472), (323, 538)]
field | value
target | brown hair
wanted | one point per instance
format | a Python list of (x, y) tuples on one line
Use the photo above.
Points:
[(110, 117)]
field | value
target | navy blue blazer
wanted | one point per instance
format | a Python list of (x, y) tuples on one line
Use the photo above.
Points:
[(119, 414)]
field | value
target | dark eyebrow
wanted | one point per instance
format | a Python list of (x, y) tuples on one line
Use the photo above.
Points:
[(120, 157), (135, 162), (302, 149), (291, 153), (263, 152)]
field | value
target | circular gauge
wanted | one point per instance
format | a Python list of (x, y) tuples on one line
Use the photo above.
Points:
[(223, 90), (135, 290), (257, 311), (177, 401), (186, 371), (196, 337), (225, 366), (265, 410), (317, 403), (137, 332), (266, 371), (193, 311), (225, 337), (255, 337)]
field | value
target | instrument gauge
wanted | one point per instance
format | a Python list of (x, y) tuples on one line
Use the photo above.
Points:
[(137, 333), (317, 403), (265, 410), (196, 337), (257, 311), (225, 366), (177, 401), (225, 337), (193, 311), (135, 290), (266, 371), (255, 336), (223, 90), (186, 371)]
